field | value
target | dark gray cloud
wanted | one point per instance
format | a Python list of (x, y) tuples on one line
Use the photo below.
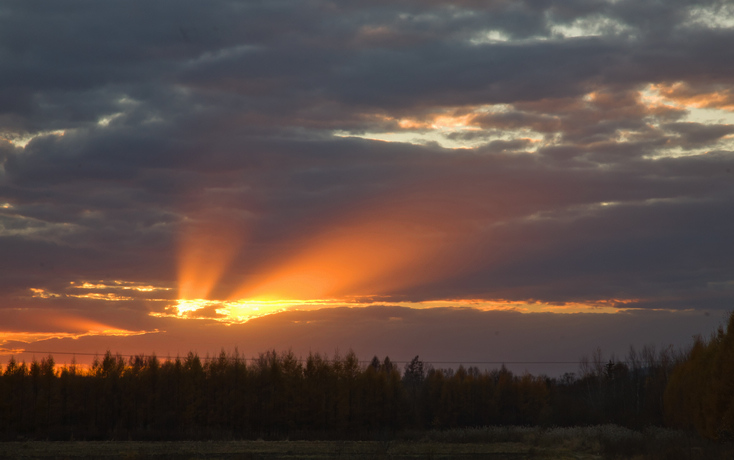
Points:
[(599, 165)]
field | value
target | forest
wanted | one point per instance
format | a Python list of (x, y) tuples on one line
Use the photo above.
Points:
[(277, 395)]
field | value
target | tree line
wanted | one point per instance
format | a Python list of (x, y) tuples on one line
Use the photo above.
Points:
[(700, 394), (278, 395)]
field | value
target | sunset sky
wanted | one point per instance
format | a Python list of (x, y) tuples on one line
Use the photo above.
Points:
[(468, 181)]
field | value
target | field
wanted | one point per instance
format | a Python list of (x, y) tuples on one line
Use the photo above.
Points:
[(578, 443), (283, 450)]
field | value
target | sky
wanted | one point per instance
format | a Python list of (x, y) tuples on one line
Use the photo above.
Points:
[(467, 181)]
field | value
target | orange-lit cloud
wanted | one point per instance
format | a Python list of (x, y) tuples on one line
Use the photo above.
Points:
[(43, 294), (68, 327), (99, 296), (119, 285), (241, 311), (528, 306), (684, 95), (451, 119), (91, 291)]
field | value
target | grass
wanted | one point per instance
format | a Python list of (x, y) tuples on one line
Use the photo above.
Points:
[(602, 441), (315, 450), (578, 443)]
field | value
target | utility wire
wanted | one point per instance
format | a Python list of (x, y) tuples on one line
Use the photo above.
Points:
[(205, 358)]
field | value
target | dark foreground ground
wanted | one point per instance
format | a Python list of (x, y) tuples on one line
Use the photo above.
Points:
[(315, 450), (602, 442)]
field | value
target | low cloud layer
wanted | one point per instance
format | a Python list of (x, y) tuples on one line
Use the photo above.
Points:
[(444, 337), (410, 151)]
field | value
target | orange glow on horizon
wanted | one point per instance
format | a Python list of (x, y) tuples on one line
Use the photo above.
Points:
[(379, 249), (241, 311), (89, 326), (69, 327)]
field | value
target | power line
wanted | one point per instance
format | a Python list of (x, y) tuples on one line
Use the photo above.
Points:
[(205, 358)]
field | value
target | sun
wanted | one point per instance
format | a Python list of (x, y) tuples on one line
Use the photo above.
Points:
[(243, 310)]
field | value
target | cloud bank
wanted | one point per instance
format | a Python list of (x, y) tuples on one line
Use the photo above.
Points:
[(560, 153)]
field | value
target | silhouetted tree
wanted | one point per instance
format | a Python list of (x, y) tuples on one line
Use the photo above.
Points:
[(701, 390)]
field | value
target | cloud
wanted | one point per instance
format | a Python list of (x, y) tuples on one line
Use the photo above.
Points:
[(559, 152), (444, 337)]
